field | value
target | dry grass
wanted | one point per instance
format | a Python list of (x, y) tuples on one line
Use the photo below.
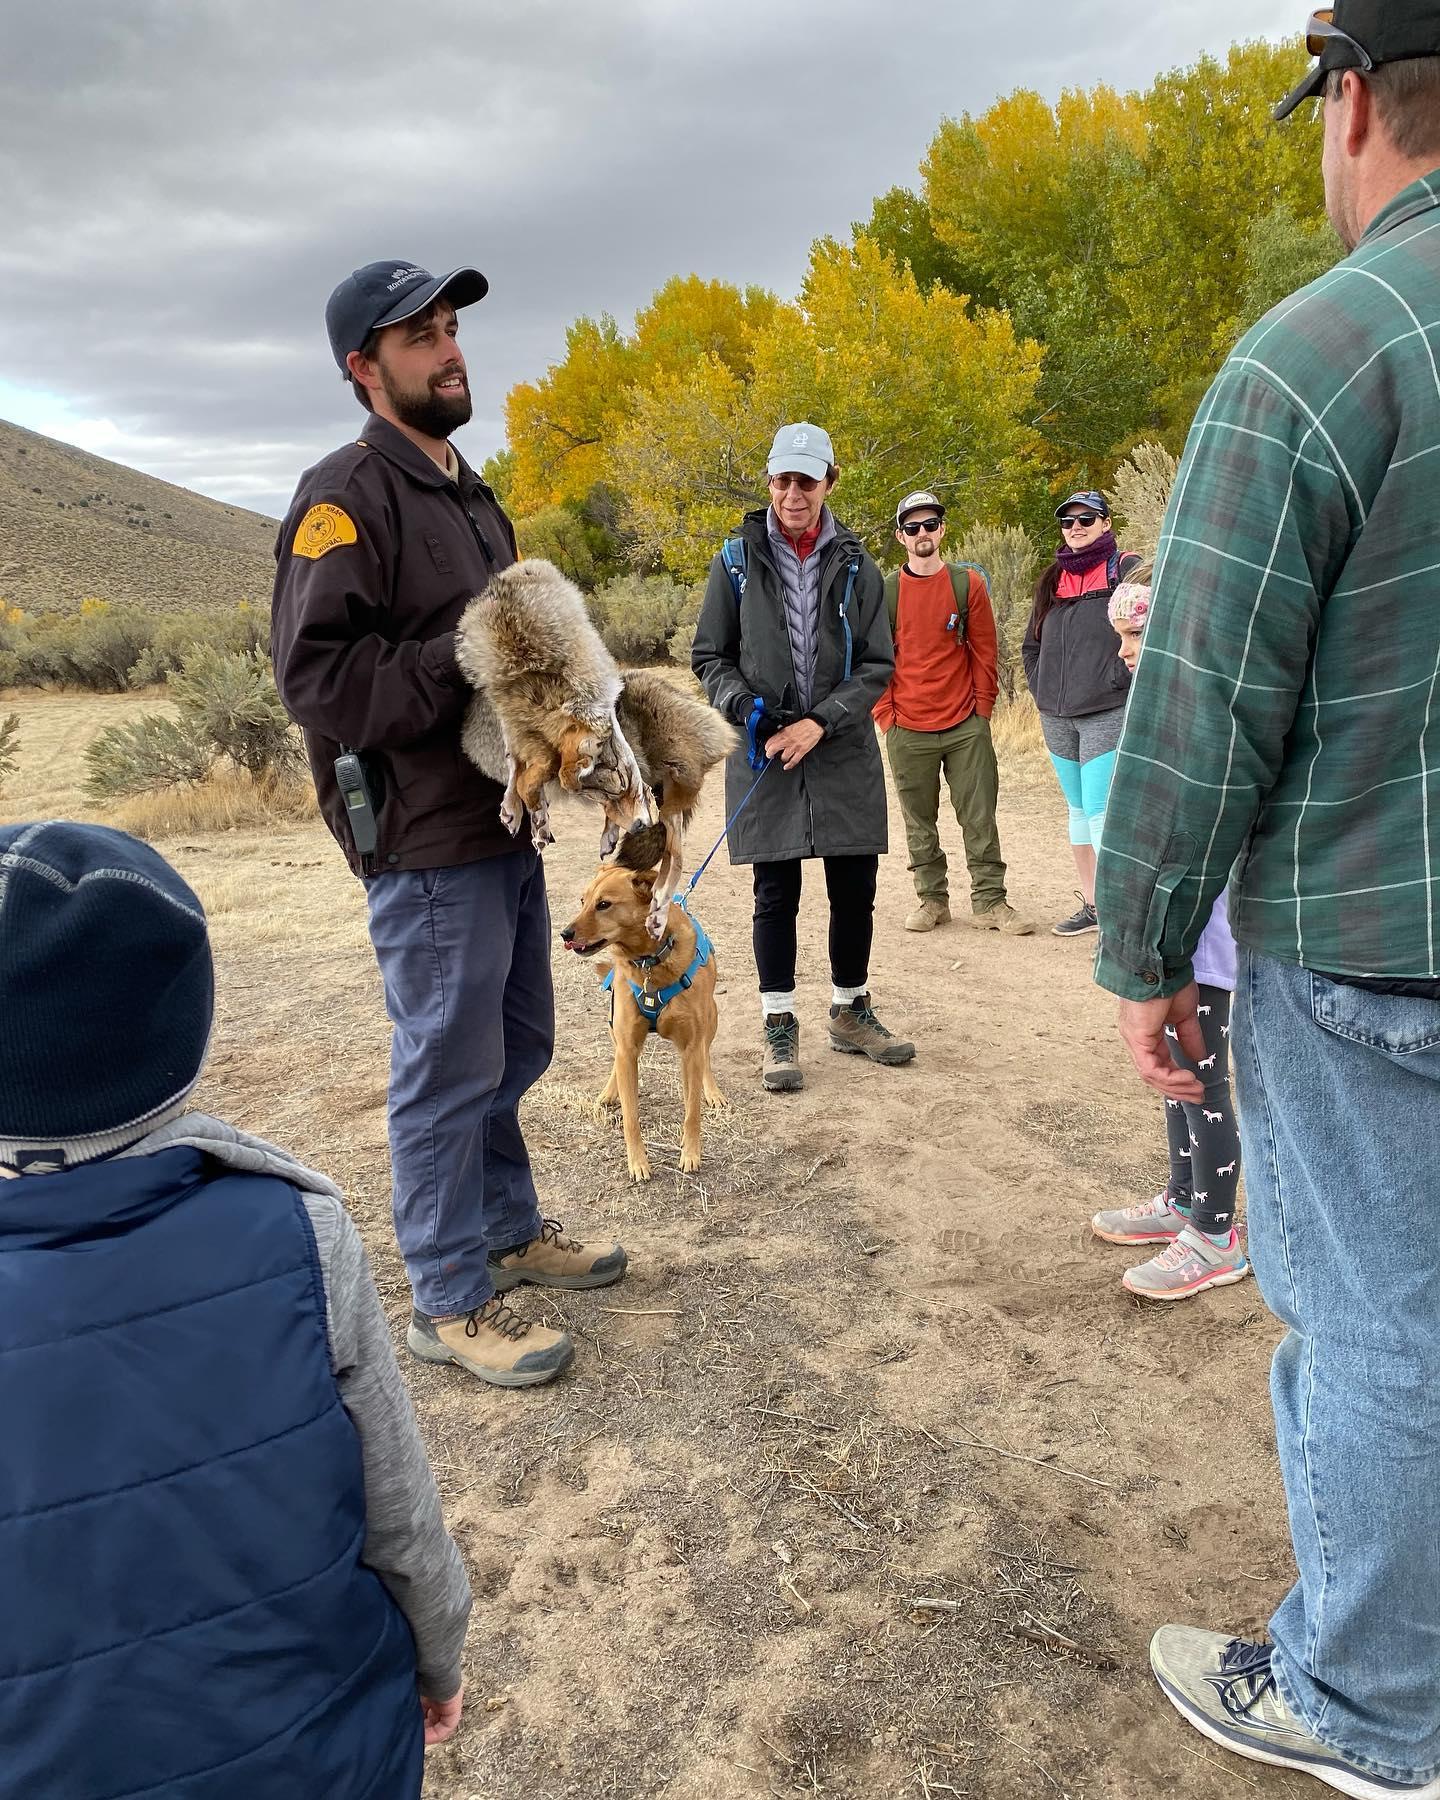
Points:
[(227, 800), (1015, 727)]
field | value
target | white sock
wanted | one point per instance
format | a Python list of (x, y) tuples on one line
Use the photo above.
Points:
[(843, 996), (776, 1003)]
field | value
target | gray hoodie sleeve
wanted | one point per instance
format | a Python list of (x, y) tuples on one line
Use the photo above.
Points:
[(406, 1542)]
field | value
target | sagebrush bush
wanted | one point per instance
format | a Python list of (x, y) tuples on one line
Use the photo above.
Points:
[(229, 714), (1141, 492), (637, 615), (683, 640), (109, 649), (9, 746), (1011, 564)]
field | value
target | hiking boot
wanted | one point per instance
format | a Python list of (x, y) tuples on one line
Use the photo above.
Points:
[(1157, 1221), (494, 1344), (554, 1260), (1225, 1688), (927, 915), (780, 1072), (855, 1030), (1079, 922), (1002, 917), (1188, 1266)]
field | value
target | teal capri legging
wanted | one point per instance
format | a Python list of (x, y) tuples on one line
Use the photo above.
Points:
[(1083, 752)]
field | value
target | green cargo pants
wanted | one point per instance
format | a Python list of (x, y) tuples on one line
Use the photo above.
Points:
[(967, 757)]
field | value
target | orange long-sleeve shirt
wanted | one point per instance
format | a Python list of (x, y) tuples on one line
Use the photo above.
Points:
[(939, 678)]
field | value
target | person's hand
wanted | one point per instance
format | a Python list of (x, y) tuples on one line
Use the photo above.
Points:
[(441, 1717), (1142, 1025), (795, 742)]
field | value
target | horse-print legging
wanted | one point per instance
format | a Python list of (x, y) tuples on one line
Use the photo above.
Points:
[(1204, 1139)]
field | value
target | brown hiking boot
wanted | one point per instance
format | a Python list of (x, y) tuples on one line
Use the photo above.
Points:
[(855, 1030), (1002, 917), (780, 1072), (493, 1343), (554, 1260), (927, 915)]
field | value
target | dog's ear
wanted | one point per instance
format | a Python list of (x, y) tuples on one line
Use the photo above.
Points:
[(641, 848), (644, 885)]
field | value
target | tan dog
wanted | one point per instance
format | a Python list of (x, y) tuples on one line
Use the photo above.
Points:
[(613, 924)]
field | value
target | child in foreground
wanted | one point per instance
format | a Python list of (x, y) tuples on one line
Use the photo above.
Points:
[(1193, 1217)]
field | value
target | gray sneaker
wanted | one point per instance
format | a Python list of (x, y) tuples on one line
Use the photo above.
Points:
[(1225, 1688), (1152, 1222), (1079, 923), (1188, 1266)]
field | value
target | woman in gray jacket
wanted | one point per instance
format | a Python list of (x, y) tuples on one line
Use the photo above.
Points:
[(793, 646)]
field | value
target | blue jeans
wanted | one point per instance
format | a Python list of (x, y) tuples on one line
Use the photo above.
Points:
[(1339, 1094), (464, 954)]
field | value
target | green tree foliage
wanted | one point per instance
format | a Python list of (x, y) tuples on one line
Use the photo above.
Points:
[(558, 535), (902, 225)]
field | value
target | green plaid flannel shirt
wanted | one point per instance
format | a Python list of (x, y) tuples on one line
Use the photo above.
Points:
[(1284, 722)]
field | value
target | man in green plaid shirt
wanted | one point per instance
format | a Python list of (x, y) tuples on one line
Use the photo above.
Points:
[(1283, 736)]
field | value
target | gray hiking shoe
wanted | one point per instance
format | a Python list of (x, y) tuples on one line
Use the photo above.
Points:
[(493, 1343), (1154, 1221), (1225, 1688), (780, 1071), (927, 915), (1188, 1266), (855, 1030), (1079, 922)]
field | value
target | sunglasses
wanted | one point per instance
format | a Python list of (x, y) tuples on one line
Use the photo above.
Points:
[(807, 484), (913, 527), (1320, 32), (1078, 519)]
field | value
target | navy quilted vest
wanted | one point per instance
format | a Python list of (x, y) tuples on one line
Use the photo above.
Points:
[(185, 1615)]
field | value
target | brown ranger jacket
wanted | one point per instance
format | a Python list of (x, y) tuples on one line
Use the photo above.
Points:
[(377, 558)]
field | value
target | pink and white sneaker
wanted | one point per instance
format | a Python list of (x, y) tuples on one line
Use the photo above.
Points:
[(1188, 1266), (1154, 1222)]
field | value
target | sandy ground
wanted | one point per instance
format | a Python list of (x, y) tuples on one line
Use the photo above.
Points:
[(870, 1479)]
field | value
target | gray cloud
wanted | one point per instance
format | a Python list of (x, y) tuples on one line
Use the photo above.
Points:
[(185, 184)]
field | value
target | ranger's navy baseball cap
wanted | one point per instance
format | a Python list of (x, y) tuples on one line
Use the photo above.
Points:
[(1090, 498), (384, 293), (1361, 34)]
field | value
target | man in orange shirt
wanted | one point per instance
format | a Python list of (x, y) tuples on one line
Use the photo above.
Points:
[(936, 716)]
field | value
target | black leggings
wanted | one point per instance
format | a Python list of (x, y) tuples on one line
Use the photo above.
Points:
[(850, 883), (1204, 1139)]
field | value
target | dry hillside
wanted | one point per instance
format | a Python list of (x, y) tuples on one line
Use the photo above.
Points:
[(73, 525)]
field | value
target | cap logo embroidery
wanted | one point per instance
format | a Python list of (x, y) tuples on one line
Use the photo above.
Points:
[(800, 440), (399, 277)]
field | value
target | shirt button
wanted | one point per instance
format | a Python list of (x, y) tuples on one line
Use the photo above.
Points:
[(1150, 978), (394, 857)]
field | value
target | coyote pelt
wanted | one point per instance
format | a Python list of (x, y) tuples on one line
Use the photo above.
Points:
[(546, 690), (677, 737)]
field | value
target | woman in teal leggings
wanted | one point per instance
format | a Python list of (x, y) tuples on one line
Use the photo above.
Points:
[(1072, 664)]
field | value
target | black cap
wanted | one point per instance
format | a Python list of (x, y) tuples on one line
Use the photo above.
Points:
[(1360, 34), (384, 293)]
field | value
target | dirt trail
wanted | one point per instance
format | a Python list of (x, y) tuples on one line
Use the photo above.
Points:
[(872, 1433)]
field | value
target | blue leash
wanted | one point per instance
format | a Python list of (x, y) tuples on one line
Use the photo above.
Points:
[(684, 899)]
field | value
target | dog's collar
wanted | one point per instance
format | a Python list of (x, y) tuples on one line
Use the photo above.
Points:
[(651, 1005), (656, 957)]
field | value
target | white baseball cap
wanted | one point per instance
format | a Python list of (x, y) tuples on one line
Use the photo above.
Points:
[(801, 450)]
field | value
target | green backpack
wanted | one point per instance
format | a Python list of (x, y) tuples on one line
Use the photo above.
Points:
[(962, 594)]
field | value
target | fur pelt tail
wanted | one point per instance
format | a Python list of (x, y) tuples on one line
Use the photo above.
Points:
[(677, 736)]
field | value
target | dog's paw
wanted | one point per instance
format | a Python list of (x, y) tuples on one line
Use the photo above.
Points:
[(510, 818), (541, 835), (716, 1101), (639, 1167), (690, 1161), (656, 917)]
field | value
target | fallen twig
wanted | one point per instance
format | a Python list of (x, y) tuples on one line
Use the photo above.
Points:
[(1039, 1462)]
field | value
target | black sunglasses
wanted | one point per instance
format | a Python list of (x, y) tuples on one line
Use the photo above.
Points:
[(1320, 32), (1078, 519), (913, 527)]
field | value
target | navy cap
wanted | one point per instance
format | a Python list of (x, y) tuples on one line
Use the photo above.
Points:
[(1362, 34), (1090, 497), (384, 293)]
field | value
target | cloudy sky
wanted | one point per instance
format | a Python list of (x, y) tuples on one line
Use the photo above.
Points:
[(186, 180)]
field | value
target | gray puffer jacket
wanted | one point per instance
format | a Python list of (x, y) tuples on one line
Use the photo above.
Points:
[(833, 803)]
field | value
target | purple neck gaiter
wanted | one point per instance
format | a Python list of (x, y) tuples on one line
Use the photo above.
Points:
[(1081, 562)]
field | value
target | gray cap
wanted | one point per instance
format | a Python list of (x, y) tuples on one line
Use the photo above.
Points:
[(913, 503), (801, 450)]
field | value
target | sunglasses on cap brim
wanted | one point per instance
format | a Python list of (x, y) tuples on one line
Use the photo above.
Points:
[(1321, 32), (914, 527)]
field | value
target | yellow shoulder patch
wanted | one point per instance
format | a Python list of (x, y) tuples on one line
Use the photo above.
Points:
[(323, 528)]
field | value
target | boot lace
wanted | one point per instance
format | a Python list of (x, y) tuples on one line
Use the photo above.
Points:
[(866, 1016), (781, 1039), (551, 1232), (495, 1315)]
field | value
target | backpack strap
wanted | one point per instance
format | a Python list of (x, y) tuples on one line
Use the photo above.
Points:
[(892, 597), (734, 556)]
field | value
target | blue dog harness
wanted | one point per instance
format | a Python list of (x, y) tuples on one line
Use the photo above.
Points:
[(651, 1005)]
